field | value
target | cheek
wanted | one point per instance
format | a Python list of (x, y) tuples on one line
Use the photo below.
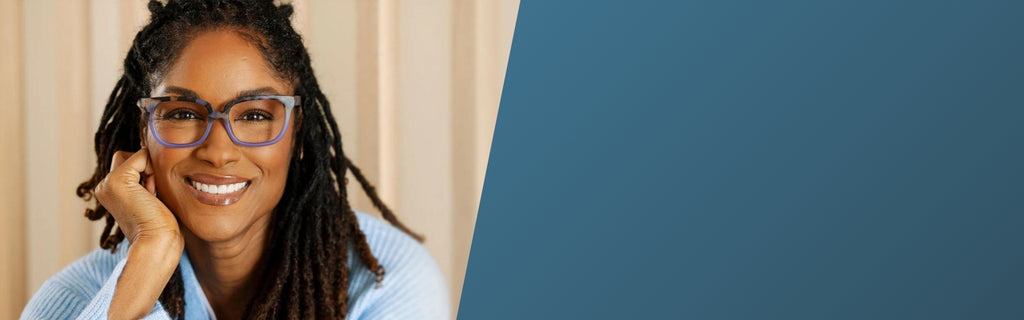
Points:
[(274, 160), (273, 163), (163, 160)]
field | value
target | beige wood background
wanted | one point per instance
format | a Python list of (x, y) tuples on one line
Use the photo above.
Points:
[(415, 86)]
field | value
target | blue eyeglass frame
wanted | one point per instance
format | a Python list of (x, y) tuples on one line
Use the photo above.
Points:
[(149, 105)]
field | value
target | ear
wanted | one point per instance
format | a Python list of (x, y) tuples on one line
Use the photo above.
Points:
[(143, 126), (143, 129)]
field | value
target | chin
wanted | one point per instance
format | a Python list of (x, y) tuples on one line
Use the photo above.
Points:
[(217, 228)]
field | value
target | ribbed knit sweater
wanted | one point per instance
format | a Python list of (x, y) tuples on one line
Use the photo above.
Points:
[(413, 287)]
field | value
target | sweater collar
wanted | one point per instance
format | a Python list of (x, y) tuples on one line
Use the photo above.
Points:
[(196, 305)]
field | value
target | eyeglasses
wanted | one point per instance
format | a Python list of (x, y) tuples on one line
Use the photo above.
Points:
[(256, 121)]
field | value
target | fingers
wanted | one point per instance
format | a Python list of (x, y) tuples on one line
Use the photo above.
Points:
[(132, 205), (119, 157), (138, 162), (129, 167)]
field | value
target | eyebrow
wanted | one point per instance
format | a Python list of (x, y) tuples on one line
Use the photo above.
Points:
[(181, 92), (241, 94), (256, 92)]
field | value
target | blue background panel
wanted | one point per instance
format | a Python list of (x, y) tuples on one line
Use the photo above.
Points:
[(756, 160)]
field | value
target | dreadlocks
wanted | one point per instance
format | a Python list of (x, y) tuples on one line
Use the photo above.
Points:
[(313, 225)]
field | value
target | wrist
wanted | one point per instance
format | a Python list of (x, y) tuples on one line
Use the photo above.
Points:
[(165, 238), (152, 259), (160, 248)]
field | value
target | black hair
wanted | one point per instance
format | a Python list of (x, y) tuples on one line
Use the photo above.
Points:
[(313, 225)]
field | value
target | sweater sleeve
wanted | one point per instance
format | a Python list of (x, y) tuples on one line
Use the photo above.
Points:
[(67, 296)]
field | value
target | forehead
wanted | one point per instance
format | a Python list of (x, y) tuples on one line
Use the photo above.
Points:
[(219, 64)]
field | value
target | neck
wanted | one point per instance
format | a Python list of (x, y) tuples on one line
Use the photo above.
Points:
[(227, 270)]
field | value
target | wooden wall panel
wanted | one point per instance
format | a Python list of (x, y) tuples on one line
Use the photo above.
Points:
[(13, 294)]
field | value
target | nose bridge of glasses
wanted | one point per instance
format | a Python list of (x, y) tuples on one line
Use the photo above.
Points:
[(223, 115), (212, 128)]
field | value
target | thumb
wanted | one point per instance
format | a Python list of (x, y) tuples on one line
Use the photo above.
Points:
[(130, 171), (139, 162)]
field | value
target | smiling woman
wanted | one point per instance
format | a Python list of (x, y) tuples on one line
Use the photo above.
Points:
[(220, 177)]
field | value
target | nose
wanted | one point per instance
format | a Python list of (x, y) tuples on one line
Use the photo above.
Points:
[(218, 149)]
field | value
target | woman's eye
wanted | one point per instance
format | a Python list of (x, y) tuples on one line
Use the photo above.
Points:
[(181, 114), (256, 116)]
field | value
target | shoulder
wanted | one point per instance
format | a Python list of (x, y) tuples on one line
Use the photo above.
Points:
[(398, 252), (413, 286), (381, 235), (67, 293)]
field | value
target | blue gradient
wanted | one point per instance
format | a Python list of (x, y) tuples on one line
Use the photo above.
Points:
[(756, 160)]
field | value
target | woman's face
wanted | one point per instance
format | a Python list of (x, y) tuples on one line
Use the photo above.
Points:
[(219, 66)]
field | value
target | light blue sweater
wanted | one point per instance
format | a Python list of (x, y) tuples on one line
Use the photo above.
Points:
[(413, 287)]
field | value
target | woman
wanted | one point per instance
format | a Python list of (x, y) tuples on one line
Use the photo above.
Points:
[(222, 166)]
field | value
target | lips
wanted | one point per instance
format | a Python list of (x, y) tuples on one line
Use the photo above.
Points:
[(217, 190)]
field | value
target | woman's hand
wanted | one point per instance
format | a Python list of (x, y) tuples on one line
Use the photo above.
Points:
[(156, 240), (136, 209)]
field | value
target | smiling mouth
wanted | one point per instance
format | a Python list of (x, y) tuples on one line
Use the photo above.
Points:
[(222, 193), (219, 189)]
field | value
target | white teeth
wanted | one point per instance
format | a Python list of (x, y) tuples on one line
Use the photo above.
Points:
[(219, 189)]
